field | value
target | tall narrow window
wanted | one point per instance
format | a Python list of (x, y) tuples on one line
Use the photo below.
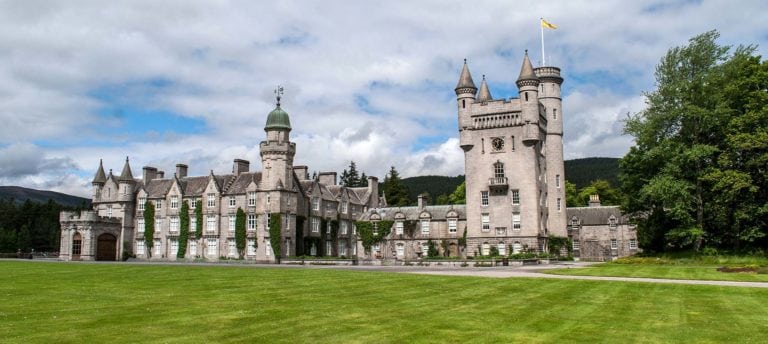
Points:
[(516, 197), (614, 244), (232, 222), (251, 222), (315, 225), (399, 227), (142, 201), (554, 113), (486, 222), (140, 225), (109, 211), (576, 245), (484, 198), (252, 198), (77, 244), (210, 224), (158, 224), (211, 200), (516, 221), (174, 202), (174, 223), (316, 203), (159, 204), (559, 206), (498, 170), (343, 225), (526, 96), (612, 223), (193, 204), (463, 103), (512, 144), (557, 180), (425, 227)]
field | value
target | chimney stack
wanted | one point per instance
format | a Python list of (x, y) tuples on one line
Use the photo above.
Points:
[(327, 178), (181, 170), (240, 166), (422, 199), (149, 174), (302, 172), (160, 174), (594, 201), (373, 188)]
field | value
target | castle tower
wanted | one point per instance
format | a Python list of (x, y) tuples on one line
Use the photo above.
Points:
[(125, 183), (98, 181), (528, 86), (465, 96), (550, 97)]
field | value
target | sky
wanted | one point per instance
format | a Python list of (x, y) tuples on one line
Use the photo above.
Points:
[(167, 82)]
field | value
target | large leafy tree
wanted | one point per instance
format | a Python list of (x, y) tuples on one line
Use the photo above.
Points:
[(608, 194), (696, 172), (394, 189)]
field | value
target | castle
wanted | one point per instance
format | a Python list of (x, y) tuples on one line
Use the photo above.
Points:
[(515, 197)]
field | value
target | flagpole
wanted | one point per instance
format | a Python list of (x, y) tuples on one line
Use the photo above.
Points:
[(543, 58)]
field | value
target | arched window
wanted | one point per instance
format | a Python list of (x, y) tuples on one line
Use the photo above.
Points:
[(77, 244), (498, 169), (516, 247)]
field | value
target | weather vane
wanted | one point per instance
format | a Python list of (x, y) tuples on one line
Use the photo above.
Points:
[(278, 93)]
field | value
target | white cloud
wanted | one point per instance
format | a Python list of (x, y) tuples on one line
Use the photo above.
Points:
[(221, 61)]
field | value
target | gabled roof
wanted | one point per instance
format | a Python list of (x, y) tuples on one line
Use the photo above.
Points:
[(241, 182), (591, 216), (194, 186), (158, 188), (437, 212)]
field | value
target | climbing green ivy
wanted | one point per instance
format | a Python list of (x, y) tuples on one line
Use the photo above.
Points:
[(149, 227), (556, 243), (184, 230), (199, 219), (365, 230), (240, 232), (274, 233)]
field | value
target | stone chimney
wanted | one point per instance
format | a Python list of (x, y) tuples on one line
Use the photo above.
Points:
[(373, 188), (181, 170), (149, 173), (240, 166), (327, 178), (594, 201), (422, 199), (302, 172), (160, 174)]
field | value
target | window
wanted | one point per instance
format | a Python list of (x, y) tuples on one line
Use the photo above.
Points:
[(354, 228), (517, 247), (174, 223), (159, 204), (512, 144), (315, 225), (612, 223), (174, 247), (193, 205), (210, 223), (399, 227), (193, 223), (139, 247), (354, 210), (252, 198), (77, 244), (192, 248), (342, 248), (328, 248), (557, 180), (343, 225), (316, 203), (211, 200), (501, 231), (375, 228), (486, 220), (574, 223), (376, 248), (502, 249), (212, 248), (231, 248), (158, 224), (344, 207), (486, 249), (328, 206), (232, 201), (515, 197), (140, 225), (142, 201), (425, 227), (452, 225), (632, 244), (516, 221), (174, 202), (251, 221), (576, 245), (484, 198), (614, 244), (158, 248), (554, 113), (109, 211), (424, 248), (232, 222), (250, 247), (269, 197), (400, 249), (559, 205), (498, 170)]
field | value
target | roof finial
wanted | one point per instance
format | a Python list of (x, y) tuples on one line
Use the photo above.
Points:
[(526, 51), (278, 94), (465, 61)]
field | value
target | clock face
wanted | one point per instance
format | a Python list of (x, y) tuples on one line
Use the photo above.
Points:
[(497, 144)]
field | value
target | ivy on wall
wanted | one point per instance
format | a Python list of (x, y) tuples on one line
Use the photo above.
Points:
[(556, 243), (184, 230), (240, 232), (365, 230), (199, 219), (274, 233), (149, 227)]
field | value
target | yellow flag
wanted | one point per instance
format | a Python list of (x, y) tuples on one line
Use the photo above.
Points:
[(547, 24)]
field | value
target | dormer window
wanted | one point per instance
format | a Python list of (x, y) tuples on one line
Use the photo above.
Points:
[(612, 222)]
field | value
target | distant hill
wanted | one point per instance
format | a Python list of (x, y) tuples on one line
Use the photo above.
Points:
[(583, 171), (578, 171), (433, 185), (21, 194)]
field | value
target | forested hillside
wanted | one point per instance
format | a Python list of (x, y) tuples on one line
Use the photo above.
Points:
[(433, 185), (20, 194), (584, 171)]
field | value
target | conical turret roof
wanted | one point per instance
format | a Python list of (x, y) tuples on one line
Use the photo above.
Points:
[(465, 81), (526, 72), (100, 177), (485, 94), (126, 175)]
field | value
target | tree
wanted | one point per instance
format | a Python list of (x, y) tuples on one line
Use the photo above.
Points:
[(363, 180), (149, 227), (432, 249), (459, 196), (608, 195), (697, 170), (240, 232), (184, 230), (394, 190), (572, 195)]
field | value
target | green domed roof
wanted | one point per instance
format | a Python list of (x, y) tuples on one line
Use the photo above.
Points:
[(278, 119)]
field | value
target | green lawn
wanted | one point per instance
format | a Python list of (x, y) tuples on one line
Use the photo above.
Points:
[(694, 272), (95, 303)]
